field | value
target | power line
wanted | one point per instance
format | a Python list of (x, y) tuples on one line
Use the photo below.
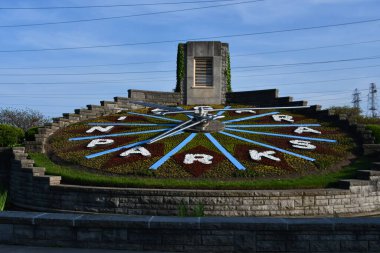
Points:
[(307, 48), (309, 71), (163, 61), (309, 82), (129, 16), (172, 71), (86, 66), (92, 73), (193, 39), (110, 6), (91, 81), (309, 63)]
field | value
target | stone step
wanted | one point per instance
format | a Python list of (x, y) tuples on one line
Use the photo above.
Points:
[(367, 174), (347, 183), (92, 107), (121, 99), (376, 166), (38, 171)]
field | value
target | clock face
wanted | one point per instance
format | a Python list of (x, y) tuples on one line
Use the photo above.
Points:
[(203, 142)]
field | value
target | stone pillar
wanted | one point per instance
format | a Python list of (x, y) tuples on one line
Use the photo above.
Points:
[(215, 91)]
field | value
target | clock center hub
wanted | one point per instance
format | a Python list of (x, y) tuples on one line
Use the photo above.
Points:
[(208, 127)]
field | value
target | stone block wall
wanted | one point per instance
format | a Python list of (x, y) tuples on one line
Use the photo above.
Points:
[(159, 97), (5, 164), (193, 234), (31, 188), (261, 98)]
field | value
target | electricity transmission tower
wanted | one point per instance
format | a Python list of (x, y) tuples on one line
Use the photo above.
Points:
[(372, 100), (356, 99)]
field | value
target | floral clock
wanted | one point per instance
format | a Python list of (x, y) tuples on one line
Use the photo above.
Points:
[(203, 141)]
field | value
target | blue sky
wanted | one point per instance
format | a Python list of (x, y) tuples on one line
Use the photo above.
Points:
[(36, 80)]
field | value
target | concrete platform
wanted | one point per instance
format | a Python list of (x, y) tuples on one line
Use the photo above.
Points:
[(26, 249)]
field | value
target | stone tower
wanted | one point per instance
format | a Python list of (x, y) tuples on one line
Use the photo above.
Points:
[(202, 68)]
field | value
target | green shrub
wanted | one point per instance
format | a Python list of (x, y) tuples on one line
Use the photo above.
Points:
[(375, 131), (182, 209), (10, 136), (3, 198), (30, 134), (199, 210), (180, 67)]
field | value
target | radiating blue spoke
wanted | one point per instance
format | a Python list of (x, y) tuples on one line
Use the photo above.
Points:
[(127, 124), (250, 117), (232, 159), (281, 135), (172, 152), (115, 135), (268, 146), (221, 112), (154, 116), (274, 125)]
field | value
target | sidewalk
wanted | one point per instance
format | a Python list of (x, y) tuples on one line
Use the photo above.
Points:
[(27, 249)]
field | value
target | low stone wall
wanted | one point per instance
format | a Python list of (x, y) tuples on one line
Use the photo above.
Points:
[(30, 188), (204, 234), (159, 97), (261, 98)]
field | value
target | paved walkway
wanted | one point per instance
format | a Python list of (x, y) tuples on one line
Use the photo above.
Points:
[(26, 249)]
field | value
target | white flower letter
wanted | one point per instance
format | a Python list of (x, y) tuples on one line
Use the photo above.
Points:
[(100, 129), (136, 150), (301, 130), (241, 111), (255, 155), (202, 158), (96, 142), (280, 118), (302, 144), (122, 118)]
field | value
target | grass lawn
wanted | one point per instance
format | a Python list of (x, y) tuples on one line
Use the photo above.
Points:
[(375, 131), (79, 177)]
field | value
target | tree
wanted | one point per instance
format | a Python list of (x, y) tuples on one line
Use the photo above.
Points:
[(22, 118)]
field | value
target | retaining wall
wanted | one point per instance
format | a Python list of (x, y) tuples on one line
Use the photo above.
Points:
[(159, 97), (30, 188), (5, 164), (208, 234)]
